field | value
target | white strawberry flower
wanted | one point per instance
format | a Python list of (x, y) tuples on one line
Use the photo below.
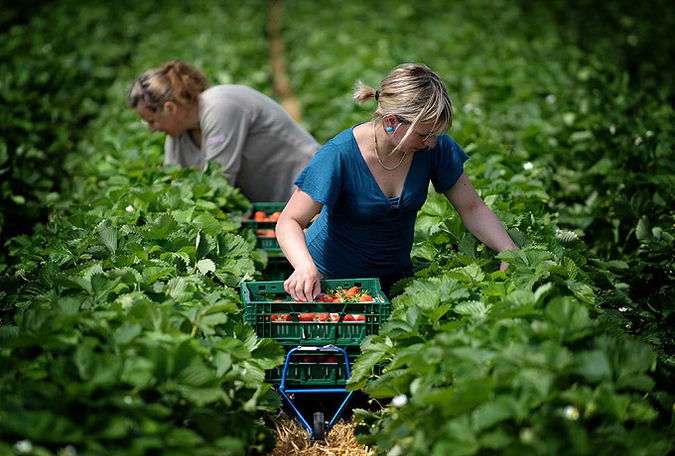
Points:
[(571, 413), (400, 400)]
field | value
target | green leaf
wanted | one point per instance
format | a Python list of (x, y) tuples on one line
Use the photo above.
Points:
[(45, 426), (363, 368), (268, 354), (126, 333), (490, 413), (643, 230), (138, 372), (201, 396), (184, 256), (60, 255), (594, 366), (222, 361), (184, 215), (153, 273), (581, 291), (234, 347), (425, 251), (537, 383), (207, 222), (631, 355), (516, 304), (177, 286), (458, 439), (74, 282), (568, 315), (245, 333), (427, 299), (465, 395), (184, 355), (196, 374), (388, 385), (161, 228), (107, 234), (85, 361), (472, 308), (205, 266), (209, 322)]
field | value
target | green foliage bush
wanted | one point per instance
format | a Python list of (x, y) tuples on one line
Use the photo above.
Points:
[(127, 335), (120, 322), (55, 69), (522, 363)]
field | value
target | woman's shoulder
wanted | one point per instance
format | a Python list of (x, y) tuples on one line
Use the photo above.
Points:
[(445, 140), (446, 144), (338, 148), (345, 136), (444, 152), (231, 90), (342, 142)]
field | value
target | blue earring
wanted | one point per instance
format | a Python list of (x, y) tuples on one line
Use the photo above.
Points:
[(389, 129)]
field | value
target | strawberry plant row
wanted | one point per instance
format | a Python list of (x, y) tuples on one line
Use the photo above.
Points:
[(121, 327)]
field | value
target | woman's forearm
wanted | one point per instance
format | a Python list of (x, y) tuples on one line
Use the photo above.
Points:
[(488, 229), (291, 238), (479, 219)]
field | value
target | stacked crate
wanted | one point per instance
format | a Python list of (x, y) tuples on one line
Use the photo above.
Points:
[(278, 266), (274, 315)]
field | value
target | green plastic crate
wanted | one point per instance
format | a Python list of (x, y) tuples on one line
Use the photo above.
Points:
[(267, 208), (317, 373), (264, 300), (309, 369), (278, 268), (266, 243)]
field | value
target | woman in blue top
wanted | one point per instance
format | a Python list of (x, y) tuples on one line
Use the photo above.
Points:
[(368, 183)]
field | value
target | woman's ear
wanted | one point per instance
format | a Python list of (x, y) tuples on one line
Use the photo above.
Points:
[(170, 107)]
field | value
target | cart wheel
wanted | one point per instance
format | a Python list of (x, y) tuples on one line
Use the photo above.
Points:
[(319, 427)]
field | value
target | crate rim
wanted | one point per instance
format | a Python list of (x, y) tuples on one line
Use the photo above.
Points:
[(372, 283)]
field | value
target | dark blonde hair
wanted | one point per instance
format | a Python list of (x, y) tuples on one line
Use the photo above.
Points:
[(175, 81), (414, 94)]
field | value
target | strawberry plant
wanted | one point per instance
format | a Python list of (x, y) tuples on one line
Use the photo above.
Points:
[(119, 325), (50, 89), (511, 365), (131, 289)]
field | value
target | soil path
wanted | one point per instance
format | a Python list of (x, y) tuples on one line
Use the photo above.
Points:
[(280, 80), (292, 438)]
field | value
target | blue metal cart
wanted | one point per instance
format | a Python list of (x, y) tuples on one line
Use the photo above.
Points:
[(318, 429), (271, 312)]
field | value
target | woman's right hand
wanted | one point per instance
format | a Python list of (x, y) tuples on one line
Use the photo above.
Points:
[(303, 284)]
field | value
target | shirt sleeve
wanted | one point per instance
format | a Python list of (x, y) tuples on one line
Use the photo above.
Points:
[(170, 154), (449, 160), (322, 178), (225, 127)]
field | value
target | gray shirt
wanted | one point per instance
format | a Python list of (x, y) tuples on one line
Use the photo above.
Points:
[(261, 147)]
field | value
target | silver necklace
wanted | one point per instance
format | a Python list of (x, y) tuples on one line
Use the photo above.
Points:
[(377, 154)]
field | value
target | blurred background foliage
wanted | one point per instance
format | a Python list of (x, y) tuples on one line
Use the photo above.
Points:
[(566, 108)]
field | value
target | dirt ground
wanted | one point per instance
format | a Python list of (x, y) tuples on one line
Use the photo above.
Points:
[(294, 440)]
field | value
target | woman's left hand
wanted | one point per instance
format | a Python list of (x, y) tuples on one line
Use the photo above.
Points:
[(303, 284)]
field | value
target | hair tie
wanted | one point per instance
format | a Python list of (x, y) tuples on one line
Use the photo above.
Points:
[(377, 94)]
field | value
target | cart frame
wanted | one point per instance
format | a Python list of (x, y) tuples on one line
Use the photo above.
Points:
[(318, 429)]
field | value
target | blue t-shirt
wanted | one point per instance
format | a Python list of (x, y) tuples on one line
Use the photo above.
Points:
[(360, 232)]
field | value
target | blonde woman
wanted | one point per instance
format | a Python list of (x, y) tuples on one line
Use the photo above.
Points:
[(368, 183), (261, 147)]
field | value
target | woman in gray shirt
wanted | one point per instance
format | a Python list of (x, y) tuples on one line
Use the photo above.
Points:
[(261, 147)]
